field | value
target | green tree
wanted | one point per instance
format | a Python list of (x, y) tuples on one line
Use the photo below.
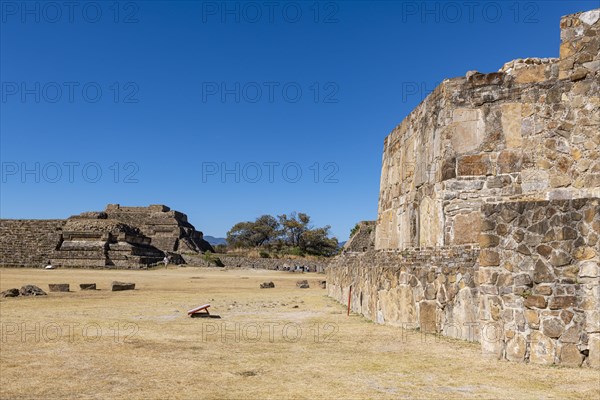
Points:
[(254, 234), (317, 242), (293, 227)]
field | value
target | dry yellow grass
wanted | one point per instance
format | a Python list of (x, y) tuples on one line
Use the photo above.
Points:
[(161, 353)]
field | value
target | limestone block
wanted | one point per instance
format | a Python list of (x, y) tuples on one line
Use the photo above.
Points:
[(428, 316), (467, 131), (570, 355), (511, 112), (593, 358), (534, 180), (473, 165), (397, 305), (467, 228), (553, 327), (58, 287), (542, 349), (516, 348), (589, 269)]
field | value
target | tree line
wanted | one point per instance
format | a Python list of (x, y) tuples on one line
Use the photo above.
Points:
[(286, 234)]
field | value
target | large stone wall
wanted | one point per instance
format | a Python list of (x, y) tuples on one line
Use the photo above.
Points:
[(529, 131), (488, 222), (28, 242), (530, 291)]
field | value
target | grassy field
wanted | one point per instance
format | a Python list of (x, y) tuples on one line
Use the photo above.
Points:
[(269, 343)]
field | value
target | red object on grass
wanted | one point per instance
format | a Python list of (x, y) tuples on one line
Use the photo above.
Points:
[(198, 309), (349, 296)]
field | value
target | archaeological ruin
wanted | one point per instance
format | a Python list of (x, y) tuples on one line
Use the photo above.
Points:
[(118, 237), (488, 225)]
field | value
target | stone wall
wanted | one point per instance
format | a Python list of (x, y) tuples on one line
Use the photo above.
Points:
[(280, 264), (529, 291), (28, 242), (540, 280), (488, 222), (363, 239), (435, 290), (529, 131)]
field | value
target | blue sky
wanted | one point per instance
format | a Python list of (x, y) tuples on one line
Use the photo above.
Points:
[(226, 111)]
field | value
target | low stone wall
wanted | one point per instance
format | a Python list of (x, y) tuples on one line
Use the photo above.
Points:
[(433, 290), (529, 292), (235, 261)]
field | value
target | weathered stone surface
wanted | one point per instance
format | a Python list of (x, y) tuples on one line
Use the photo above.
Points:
[(542, 273), (31, 290), (570, 355), (467, 228), (542, 348), (532, 318), (589, 269), (535, 301), (560, 302), (428, 317), (87, 286), (10, 293), (489, 258), (593, 358), (553, 327), (118, 286), (58, 287), (478, 164), (267, 285), (302, 284), (516, 348)]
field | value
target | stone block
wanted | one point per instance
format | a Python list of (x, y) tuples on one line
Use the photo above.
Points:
[(58, 287), (560, 302), (542, 273), (467, 228), (535, 301), (87, 286), (428, 316), (532, 318), (474, 165), (118, 286), (542, 349), (516, 348), (589, 269), (570, 355), (553, 327), (593, 358), (489, 258)]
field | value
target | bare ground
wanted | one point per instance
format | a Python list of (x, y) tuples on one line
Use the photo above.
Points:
[(270, 343)]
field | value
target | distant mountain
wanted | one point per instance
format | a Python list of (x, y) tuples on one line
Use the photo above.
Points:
[(341, 244), (215, 240)]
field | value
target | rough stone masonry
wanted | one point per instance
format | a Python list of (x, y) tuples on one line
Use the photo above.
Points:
[(119, 237), (489, 213)]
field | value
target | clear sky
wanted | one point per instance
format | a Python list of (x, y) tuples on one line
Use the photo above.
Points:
[(226, 111)]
